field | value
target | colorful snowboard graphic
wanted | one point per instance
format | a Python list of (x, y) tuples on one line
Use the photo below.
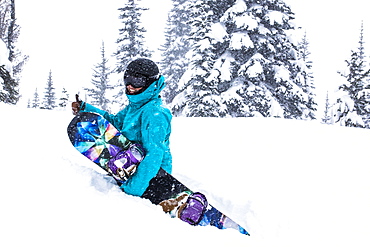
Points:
[(98, 140)]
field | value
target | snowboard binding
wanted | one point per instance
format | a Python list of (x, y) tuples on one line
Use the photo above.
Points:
[(193, 210), (124, 164)]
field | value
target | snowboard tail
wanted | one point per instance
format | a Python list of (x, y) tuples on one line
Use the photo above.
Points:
[(165, 190), (99, 141)]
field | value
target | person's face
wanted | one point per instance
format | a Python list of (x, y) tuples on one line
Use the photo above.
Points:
[(133, 90)]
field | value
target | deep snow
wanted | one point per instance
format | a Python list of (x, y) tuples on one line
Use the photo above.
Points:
[(288, 182)]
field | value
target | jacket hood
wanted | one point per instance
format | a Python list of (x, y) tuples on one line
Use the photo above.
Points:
[(150, 93)]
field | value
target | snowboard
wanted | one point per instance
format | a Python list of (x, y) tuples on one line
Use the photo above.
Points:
[(99, 141)]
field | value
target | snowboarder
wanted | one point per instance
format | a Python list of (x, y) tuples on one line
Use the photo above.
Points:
[(145, 120)]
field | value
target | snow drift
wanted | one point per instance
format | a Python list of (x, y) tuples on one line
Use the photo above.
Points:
[(288, 182)]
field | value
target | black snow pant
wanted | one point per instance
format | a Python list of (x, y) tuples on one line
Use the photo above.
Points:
[(163, 187)]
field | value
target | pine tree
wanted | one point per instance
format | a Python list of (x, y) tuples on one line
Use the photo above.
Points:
[(9, 92), (36, 100), (177, 45), (9, 33), (63, 99), (200, 95), (244, 62), (131, 35), (130, 43), (12, 33), (305, 79), (100, 82), (351, 108), (49, 96), (327, 118)]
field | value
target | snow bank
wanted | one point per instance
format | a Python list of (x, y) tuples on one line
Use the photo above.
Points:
[(290, 183)]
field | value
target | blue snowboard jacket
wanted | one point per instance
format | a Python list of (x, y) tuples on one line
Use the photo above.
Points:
[(147, 122)]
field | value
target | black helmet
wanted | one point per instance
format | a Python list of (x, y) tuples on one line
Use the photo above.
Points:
[(142, 66), (141, 72)]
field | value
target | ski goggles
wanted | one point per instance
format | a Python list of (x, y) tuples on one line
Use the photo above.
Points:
[(138, 80)]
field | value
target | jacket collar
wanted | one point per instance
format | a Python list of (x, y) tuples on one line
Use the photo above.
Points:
[(150, 93)]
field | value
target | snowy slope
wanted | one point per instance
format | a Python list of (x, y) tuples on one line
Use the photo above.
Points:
[(289, 183)]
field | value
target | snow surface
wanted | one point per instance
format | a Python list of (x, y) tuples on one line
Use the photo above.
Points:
[(288, 182)]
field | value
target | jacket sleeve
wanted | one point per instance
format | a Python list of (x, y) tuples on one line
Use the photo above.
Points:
[(155, 130), (116, 121)]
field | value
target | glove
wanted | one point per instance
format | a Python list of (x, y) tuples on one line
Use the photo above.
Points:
[(76, 106)]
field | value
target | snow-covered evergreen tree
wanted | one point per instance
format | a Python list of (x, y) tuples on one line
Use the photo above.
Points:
[(305, 79), (49, 95), (36, 100), (245, 62), (63, 100), (100, 83), (130, 42), (198, 95), (177, 45), (352, 107), (9, 33), (9, 92), (327, 116), (131, 36)]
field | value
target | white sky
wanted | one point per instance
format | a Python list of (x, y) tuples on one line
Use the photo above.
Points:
[(66, 36), (333, 29), (332, 26)]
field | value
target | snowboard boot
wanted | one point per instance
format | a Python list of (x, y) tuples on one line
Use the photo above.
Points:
[(172, 205)]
